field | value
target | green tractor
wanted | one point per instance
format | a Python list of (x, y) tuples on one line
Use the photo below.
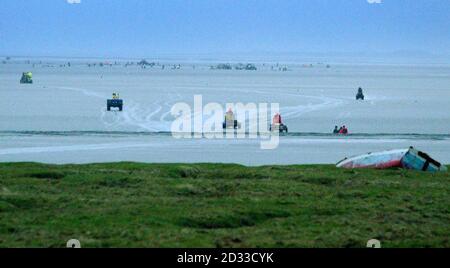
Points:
[(27, 78)]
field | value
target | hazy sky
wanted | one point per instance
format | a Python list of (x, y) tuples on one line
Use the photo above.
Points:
[(134, 28)]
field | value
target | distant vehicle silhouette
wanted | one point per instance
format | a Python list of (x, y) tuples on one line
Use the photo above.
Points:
[(27, 78), (115, 102), (360, 94)]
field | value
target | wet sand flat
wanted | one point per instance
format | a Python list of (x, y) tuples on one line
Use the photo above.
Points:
[(400, 99)]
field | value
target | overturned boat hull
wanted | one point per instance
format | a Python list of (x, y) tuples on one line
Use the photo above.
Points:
[(403, 158), (385, 159)]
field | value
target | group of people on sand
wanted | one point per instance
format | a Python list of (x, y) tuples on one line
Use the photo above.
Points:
[(342, 130)]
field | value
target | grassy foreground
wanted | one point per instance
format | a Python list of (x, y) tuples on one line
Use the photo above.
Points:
[(215, 205)]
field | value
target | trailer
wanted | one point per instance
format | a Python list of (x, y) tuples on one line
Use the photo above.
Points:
[(114, 103)]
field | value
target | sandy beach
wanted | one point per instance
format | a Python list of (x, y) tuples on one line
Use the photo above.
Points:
[(62, 117)]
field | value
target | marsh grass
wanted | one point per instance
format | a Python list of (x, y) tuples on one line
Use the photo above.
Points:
[(217, 205)]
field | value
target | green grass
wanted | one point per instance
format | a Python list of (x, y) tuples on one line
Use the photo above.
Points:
[(215, 205)]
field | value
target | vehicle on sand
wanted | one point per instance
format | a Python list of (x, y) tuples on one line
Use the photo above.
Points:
[(277, 124), (27, 78), (230, 121), (360, 94), (115, 102)]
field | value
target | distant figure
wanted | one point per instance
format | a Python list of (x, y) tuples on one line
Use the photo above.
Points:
[(336, 130), (277, 119), (229, 116), (277, 124), (230, 121), (115, 96), (27, 78), (360, 94), (343, 130)]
